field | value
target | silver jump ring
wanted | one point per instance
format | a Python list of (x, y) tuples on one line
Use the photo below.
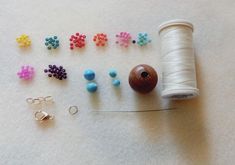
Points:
[(30, 100), (73, 110)]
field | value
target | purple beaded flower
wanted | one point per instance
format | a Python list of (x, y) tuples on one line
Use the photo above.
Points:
[(57, 72), (26, 72)]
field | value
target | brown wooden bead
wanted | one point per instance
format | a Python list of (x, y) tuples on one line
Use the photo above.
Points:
[(143, 78)]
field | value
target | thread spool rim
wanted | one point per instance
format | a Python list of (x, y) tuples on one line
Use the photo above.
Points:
[(175, 22), (180, 94)]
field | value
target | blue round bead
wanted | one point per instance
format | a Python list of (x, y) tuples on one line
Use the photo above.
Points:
[(91, 87), (116, 83), (112, 73), (89, 74)]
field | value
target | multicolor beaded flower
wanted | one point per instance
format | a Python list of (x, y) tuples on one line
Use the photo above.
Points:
[(123, 38), (57, 72), (77, 40), (23, 40), (142, 39), (100, 39), (26, 72), (52, 42)]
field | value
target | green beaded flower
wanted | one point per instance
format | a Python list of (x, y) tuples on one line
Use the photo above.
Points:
[(143, 39)]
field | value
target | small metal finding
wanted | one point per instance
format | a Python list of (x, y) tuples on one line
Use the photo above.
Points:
[(30, 100), (42, 116), (73, 110), (36, 101), (48, 99), (39, 100)]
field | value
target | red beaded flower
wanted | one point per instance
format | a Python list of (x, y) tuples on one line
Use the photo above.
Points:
[(77, 40)]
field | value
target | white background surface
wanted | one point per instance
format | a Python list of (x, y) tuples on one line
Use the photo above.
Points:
[(200, 131)]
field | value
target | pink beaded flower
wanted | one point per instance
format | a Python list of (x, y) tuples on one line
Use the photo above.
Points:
[(26, 72), (123, 39)]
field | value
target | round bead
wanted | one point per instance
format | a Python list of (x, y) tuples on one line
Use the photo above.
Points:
[(89, 74), (91, 87), (143, 78), (116, 83), (112, 73)]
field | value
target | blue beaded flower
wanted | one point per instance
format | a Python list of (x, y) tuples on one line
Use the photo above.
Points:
[(52, 42)]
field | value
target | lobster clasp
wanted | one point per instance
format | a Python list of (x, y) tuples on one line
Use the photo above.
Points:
[(42, 116)]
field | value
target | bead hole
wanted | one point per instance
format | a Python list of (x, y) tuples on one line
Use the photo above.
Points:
[(144, 74)]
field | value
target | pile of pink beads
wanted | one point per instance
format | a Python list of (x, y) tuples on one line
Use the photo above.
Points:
[(123, 38), (26, 72)]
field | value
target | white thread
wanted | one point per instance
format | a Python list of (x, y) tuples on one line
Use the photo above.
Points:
[(177, 57)]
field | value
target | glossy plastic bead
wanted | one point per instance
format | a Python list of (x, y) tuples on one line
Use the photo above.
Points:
[(112, 73), (100, 39), (23, 40), (91, 87), (143, 39), (26, 72), (52, 42), (77, 40), (116, 82), (123, 39), (89, 74), (143, 78), (57, 72)]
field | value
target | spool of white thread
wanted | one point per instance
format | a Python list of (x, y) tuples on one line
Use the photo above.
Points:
[(177, 58)]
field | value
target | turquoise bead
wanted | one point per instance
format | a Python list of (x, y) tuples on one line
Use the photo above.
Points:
[(116, 83), (112, 73), (91, 87), (89, 74)]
